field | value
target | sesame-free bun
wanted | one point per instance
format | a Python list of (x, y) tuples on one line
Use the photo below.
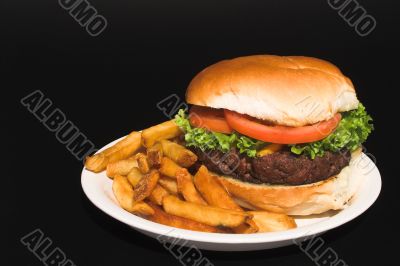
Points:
[(331, 194), (285, 90)]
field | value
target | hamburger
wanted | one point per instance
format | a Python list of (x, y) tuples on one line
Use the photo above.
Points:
[(282, 133)]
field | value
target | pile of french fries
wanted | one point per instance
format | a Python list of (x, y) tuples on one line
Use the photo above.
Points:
[(151, 179)]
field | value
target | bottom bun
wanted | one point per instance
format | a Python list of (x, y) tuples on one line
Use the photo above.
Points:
[(331, 194)]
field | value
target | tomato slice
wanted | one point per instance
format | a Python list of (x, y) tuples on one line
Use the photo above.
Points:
[(209, 118), (281, 134)]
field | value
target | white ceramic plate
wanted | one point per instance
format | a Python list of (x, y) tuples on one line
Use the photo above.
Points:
[(97, 188)]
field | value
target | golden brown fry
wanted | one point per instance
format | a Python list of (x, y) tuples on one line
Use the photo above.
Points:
[(123, 192), (128, 140), (96, 163), (123, 153), (186, 187), (142, 163), (155, 155), (142, 208), (134, 176), (166, 130), (169, 184), (145, 186), (121, 150), (178, 153), (249, 227), (158, 194), (204, 214), (162, 217), (168, 167), (122, 167), (271, 222), (213, 192)]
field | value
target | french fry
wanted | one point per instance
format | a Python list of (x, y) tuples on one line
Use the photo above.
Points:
[(142, 163), (178, 153), (145, 186), (166, 130), (212, 191), (123, 192), (209, 215), (162, 217), (128, 140), (142, 208), (271, 222), (96, 163), (122, 167), (249, 227), (168, 167), (121, 150), (186, 187), (134, 176), (121, 154), (158, 194), (169, 184), (141, 189), (155, 155)]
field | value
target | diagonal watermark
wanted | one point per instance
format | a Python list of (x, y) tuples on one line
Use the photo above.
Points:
[(186, 256), (56, 121), (355, 15), (316, 249), (43, 248), (86, 15)]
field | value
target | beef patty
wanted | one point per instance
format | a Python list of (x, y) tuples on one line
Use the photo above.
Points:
[(282, 167)]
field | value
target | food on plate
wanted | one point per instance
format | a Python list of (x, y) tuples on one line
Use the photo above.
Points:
[(204, 214), (155, 155), (134, 176), (216, 195), (166, 130), (122, 167), (168, 167), (158, 194), (249, 227), (142, 162), (160, 216), (145, 186), (121, 150), (169, 184), (178, 153), (213, 192), (142, 208), (272, 222), (124, 194), (286, 131), (186, 187), (266, 138)]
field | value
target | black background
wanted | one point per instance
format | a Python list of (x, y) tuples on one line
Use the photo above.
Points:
[(110, 84)]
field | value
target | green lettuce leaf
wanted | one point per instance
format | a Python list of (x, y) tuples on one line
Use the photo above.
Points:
[(351, 132)]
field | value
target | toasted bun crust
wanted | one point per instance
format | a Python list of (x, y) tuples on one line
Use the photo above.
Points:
[(330, 194), (286, 90)]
